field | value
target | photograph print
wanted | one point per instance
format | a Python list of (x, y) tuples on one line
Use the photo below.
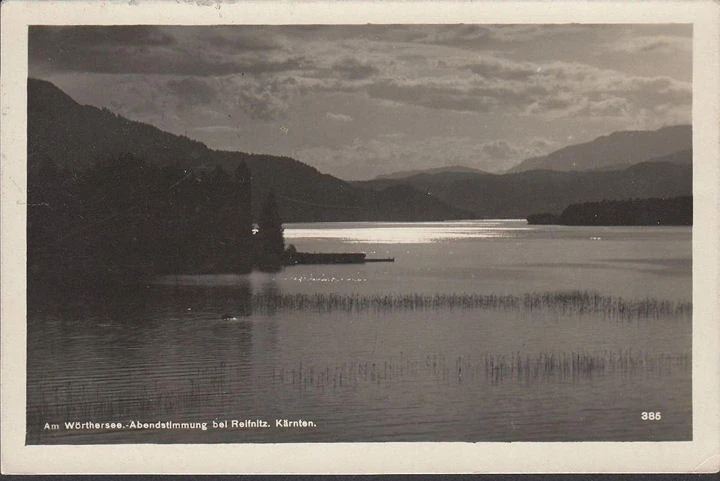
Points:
[(359, 233)]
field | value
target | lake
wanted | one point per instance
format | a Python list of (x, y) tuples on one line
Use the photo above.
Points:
[(479, 331)]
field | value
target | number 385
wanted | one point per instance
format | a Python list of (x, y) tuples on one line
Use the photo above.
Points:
[(651, 416)]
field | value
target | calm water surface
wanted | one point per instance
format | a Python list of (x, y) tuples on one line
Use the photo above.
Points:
[(479, 331)]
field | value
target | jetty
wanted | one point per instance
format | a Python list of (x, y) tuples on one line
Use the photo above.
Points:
[(334, 258)]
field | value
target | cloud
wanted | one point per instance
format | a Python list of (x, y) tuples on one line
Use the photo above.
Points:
[(232, 39), (217, 129), (503, 36), (494, 68), (550, 90), (392, 153), (511, 81), (352, 69), (434, 95), (189, 100), (657, 44), (150, 50), (94, 35), (338, 117), (499, 149), (404, 65), (457, 35), (264, 100), (143, 60), (192, 91)]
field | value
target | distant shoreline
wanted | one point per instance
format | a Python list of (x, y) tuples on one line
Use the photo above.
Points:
[(676, 211)]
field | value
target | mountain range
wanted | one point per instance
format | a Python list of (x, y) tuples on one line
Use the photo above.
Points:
[(457, 169), (622, 165), (615, 151), (77, 136), (516, 195), (619, 149)]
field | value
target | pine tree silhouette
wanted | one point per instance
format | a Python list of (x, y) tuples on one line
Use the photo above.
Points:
[(271, 243)]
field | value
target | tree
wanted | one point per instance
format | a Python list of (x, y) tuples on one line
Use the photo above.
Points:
[(242, 218), (290, 255), (271, 243)]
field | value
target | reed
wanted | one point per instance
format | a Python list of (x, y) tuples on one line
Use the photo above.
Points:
[(565, 302), (483, 369), (132, 399), (214, 389)]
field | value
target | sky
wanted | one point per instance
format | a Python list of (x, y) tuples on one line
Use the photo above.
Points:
[(366, 100)]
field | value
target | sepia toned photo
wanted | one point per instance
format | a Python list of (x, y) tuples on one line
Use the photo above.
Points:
[(251, 233)]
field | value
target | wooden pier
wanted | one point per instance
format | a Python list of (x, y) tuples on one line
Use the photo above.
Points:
[(334, 258)]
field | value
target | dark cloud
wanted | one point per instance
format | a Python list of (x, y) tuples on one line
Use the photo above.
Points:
[(507, 97), (192, 91), (457, 35), (95, 35), (507, 87), (511, 35), (385, 33), (433, 96), (352, 69), (198, 99), (233, 40), (511, 81), (140, 60), (500, 36), (144, 50), (495, 69)]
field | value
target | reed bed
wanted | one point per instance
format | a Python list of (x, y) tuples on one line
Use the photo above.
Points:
[(488, 368), (566, 302), (215, 389), (127, 399)]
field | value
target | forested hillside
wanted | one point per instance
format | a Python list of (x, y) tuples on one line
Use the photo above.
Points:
[(75, 137)]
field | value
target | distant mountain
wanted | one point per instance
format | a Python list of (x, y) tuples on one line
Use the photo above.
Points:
[(519, 194), (423, 181), (455, 169), (683, 157), (77, 136), (615, 150)]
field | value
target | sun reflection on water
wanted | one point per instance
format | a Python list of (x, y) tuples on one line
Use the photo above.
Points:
[(401, 233)]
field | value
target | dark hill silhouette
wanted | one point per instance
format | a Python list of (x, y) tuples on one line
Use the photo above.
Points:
[(75, 137), (673, 211), (517, 194), (78, 136), (456, 169), (617, 149), (401, 200), (683, 157)]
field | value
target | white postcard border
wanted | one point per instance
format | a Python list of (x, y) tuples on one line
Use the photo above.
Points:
[(700, 455)]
